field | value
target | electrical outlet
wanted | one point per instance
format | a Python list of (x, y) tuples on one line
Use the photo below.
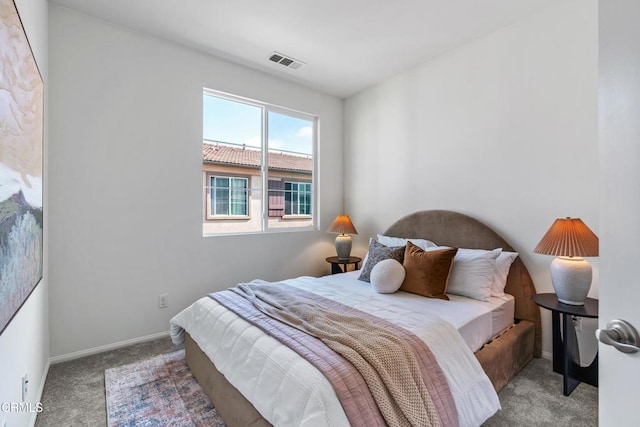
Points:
[(163, 301), (577, 323), (25, 389)]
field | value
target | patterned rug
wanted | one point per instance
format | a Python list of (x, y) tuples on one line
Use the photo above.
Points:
[(160, 391)]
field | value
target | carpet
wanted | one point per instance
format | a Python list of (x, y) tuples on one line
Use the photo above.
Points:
[(74, 393), (160, 391)]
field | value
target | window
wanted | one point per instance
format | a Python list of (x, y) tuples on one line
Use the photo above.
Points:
[(229, 196), (297, 198), (258, 166)]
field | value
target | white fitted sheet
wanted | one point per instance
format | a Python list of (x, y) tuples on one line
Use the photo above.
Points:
[(287, 390), (477, 321), (480, 321), (502, 315)]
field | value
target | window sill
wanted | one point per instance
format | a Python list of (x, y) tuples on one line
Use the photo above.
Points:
[(271, 231), (229, 217), (297, 217)]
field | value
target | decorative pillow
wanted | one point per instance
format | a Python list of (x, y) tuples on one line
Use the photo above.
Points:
[(503, 264), (387, 276), (472, 273), (427, 272), (378, 252), (401, 241)]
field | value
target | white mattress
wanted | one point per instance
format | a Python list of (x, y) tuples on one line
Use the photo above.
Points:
[(477, 321), (287, 390), (483, 323)]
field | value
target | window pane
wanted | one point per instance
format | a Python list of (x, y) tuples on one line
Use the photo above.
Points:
[(239, 197), (294, 202), (232, 132), (291, 144), (287, 201), (221, 200), (231, 122), (290, 134), (305, 199)]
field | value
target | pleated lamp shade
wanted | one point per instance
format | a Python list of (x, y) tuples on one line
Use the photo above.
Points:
[(342, 225), (568, 237)]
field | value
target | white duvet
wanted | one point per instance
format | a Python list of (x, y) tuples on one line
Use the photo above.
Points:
[(289, 391)]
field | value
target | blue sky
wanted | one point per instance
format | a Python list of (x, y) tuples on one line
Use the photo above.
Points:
[(230, 121)]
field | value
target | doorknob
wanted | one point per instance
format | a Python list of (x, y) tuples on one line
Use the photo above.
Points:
[(620, 334)]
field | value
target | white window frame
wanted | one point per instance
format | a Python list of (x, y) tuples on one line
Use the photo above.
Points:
[(211, 190), (266, 108), (290, 192)]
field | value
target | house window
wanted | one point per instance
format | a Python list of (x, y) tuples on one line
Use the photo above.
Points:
[(297, 198), (258, 166), (229, 196)]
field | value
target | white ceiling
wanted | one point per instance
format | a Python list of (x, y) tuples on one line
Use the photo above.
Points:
[(347, 45)]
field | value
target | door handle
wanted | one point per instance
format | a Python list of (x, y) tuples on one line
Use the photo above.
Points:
[(620, 334)]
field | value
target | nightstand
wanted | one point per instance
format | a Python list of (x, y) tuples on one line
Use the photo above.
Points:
[(337, 262), (566, 354)]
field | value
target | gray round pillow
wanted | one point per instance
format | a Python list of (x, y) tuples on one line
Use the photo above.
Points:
[(387, 276)]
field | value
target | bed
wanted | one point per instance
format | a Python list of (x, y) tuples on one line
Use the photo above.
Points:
[(500, 358)]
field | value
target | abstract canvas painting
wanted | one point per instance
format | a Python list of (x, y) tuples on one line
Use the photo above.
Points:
[(21, 131)]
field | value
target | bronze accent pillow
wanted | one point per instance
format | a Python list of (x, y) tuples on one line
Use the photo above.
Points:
[(427, 272)]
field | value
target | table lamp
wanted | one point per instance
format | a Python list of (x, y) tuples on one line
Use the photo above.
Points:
[(570, 240), (343, 226)]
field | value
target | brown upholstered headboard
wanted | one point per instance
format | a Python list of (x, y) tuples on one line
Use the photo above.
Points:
[(454, 229)]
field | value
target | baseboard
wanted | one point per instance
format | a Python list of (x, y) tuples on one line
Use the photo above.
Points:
[(103, 348), (45, 373), (547, 355)]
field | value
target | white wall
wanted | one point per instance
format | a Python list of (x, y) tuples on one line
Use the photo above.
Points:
[(503, 129), (24, 344), (126, 183)]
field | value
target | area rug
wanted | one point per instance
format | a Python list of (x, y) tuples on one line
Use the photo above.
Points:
[(160, 391)]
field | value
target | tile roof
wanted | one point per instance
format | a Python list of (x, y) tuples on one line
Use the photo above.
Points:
[(242, 156)]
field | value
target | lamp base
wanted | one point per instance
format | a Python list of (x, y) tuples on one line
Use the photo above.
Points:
[(343, 246), (571, 278)]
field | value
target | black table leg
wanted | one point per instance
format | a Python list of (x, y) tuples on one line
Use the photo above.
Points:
[(566, 355), (571, 355), (558, 348)]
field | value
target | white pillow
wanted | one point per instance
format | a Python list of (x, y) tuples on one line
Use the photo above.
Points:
[(472, 273), (394, 242), (503, 264), (400, 241), (387, 276)]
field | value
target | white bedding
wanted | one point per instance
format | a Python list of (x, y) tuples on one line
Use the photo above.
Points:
[(289, 391), (480, 321)]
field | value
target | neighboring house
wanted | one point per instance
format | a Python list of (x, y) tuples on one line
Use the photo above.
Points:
[(233, 189)]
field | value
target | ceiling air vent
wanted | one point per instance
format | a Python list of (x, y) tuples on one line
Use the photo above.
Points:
[(285, 60)]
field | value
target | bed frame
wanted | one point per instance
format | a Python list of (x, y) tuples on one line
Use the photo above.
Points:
[(501, 359)]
